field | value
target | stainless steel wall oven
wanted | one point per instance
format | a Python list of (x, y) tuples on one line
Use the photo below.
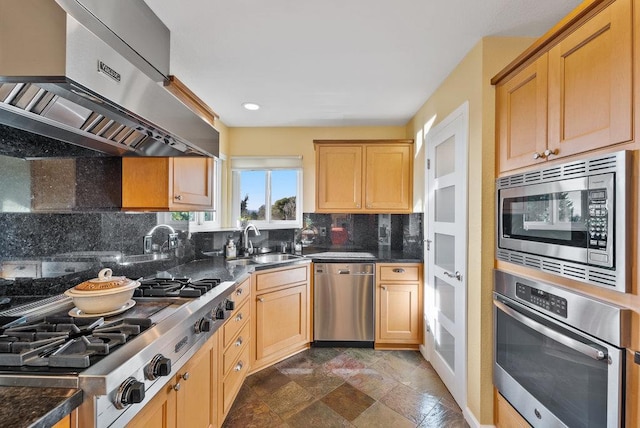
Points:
[(568, 220), (559, 355)]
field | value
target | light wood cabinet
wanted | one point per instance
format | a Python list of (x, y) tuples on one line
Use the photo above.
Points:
[(506, 416), (521, 117), (167, 184), (399, 306), (575, 96), (190, 398), (281, 324), (364, 176), (235, 337), (590, 84)]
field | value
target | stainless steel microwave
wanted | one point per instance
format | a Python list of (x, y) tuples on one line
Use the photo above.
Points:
[(568, 219)]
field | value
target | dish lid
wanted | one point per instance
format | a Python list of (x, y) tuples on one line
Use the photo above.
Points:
[(105, 281)]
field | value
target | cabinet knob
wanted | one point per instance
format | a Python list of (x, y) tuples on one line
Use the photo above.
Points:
[(537, 155), (260, 299), (238, 291), (548, 152), (398, 270), (185, 376), (178, 197), (239, 317), (357, 205), (383, 287), (176, 387), (239, 341), (239, 366)]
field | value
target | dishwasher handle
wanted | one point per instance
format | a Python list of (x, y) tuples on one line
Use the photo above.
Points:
[(344, 271)]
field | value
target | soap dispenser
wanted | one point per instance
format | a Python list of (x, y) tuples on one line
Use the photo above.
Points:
[(230, 248)]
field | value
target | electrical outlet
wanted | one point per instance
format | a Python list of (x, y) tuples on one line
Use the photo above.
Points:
[(323, 231), (173, 241)]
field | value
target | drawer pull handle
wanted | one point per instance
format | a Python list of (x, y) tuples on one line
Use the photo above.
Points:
[(456, 275), (176, 387), (239, 317), (239, 341), (398, 270), (178, 197), (239, 366), (185, 376), (384, 287), (238, 291), (260, 299)]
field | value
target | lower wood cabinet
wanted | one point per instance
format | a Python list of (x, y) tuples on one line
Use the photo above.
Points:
[(399, 306), (506, 416), (189, 399), (235, 337), (281, 323)]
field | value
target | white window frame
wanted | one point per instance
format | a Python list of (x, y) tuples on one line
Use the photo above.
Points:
[(267, 164), (199, 224)]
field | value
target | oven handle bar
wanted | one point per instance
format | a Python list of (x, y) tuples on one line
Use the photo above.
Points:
[(578, 346)]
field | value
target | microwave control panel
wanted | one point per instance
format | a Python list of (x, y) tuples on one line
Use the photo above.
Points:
[(543, 299), (598, 219)]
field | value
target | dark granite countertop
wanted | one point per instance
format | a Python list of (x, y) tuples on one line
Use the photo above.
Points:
[(36, 407)]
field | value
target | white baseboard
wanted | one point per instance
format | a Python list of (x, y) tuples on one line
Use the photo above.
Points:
[(472, 421)]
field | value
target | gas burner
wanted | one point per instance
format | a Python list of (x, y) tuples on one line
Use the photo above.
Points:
[(68, 342), (175, 287)]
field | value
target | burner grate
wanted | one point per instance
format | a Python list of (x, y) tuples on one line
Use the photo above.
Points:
[(175, 287)]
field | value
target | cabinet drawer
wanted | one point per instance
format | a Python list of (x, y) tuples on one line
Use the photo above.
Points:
[(234, 379), (279, 278), (237, 320), (236, 346), (400, 273), (241, 293)]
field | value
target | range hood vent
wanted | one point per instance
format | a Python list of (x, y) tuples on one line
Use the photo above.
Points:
[(77, 81)]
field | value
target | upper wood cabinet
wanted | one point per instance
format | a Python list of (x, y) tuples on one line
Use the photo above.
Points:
[(575, 96), (167, 184), (364, 176)]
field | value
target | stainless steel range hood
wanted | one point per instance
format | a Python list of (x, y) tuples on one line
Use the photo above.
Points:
[(66, 73)]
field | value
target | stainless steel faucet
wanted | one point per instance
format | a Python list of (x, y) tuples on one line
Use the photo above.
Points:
[(172, 240), (247, 245)]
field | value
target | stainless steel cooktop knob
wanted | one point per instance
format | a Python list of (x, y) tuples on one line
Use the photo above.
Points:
[(203, 325), (130, 391), (229, 305), (159, 366)]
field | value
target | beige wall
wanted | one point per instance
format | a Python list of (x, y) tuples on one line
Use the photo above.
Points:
[(470, 81), (299, 141)]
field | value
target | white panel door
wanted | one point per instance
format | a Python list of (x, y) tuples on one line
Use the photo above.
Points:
[(446, 250)]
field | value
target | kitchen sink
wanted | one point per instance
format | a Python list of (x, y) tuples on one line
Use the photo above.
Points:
[(272, 258), (142, 258), (240, 262)]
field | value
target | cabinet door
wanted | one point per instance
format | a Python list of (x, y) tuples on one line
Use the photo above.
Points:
[(192, 182), (521, 117), (338, 178), (389, 178), (281, 321), (197, 394), (399, 313), (160, 412), (590, 83)]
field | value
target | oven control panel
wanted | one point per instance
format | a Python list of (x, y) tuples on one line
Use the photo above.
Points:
[(543, 299)]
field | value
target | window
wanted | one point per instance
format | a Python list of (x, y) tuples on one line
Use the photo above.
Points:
[(268, 191), (211, 220)]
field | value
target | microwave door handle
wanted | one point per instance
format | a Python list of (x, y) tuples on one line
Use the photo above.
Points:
[(576, 345)]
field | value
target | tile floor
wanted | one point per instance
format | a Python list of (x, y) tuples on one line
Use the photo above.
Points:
[(346, 387)]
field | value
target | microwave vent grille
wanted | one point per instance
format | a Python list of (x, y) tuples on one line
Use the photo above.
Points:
[(574, 271), (553, 267), (532, 177), (604, 278), (603, 163), (551, 174), (578, 168)]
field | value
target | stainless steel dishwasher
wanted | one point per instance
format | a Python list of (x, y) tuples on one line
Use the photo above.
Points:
[(343, 311)]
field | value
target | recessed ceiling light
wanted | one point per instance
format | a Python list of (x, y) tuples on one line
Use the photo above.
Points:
[(251, 106)]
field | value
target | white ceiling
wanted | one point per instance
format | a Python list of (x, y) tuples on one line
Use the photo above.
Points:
[(333, 62)]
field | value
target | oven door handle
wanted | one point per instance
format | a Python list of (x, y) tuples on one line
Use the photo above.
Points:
[(576, 345)]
